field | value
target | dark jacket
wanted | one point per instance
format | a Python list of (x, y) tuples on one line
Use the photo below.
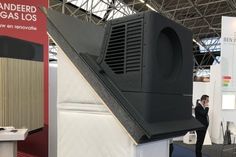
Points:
[(201, 115)]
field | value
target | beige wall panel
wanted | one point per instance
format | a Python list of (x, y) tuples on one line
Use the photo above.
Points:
[(21, 93)]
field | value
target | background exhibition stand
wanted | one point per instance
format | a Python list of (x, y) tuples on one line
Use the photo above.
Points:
[(8, 141)]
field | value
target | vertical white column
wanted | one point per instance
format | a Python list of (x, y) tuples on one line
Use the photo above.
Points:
[(52, 128)]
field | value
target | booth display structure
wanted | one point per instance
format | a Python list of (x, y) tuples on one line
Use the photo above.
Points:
[(98, 105), (8, 140)]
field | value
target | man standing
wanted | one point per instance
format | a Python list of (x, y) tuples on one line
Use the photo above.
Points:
[(201, 114)]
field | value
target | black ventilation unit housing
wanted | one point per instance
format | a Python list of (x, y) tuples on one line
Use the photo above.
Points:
[(149, 59), (143, 72)]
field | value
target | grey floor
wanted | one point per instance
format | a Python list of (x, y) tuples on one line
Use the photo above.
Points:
[(214, 150)]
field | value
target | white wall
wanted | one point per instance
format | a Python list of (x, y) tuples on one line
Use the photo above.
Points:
[(86, 128), (229, 115), (200, 88), (228, 60), (52, 109), (228, 51), (215, 103)]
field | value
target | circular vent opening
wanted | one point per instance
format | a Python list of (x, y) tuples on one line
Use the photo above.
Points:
[(169, 55)]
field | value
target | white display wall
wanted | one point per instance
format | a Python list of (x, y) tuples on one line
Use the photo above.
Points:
[(199, 88), (215, 112), (228, 68), (228, 53), (86, 127), (52, 151)]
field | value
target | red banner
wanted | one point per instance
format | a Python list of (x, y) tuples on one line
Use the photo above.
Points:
[(23, 20)]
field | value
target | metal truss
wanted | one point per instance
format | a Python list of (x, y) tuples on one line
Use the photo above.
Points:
[(96, 11), (203, 17)]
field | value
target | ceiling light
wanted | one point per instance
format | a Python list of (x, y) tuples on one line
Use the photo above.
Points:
[(150, 7)]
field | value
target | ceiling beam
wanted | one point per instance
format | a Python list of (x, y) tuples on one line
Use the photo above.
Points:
[(206, 16), (199, 5)]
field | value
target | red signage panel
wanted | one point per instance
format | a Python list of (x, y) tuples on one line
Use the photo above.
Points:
[(22, 20)]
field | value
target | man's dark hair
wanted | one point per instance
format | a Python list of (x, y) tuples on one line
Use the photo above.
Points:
[(204, 97), (197, 102)]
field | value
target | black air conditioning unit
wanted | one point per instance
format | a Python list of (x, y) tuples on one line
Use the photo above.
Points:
[(143, 71), (149, 59)]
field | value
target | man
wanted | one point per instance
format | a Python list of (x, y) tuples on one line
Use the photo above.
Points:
[(171, 147), (201, 114)]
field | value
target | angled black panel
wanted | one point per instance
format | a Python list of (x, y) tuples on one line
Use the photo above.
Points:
[(142, 70), (84, 36)]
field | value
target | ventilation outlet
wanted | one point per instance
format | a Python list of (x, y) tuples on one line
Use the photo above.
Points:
[(123, 53)]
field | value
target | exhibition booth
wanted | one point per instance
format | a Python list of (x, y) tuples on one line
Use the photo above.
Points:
[(23, 79), (87, 121), (111, 92)]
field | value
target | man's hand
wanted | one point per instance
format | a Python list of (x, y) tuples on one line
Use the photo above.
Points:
[(206, 105)]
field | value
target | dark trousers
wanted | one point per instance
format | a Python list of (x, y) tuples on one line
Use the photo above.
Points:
[(200, 139), (171, 148)]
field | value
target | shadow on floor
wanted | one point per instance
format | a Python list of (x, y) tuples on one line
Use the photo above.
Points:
[(180, 151), (213, 150)]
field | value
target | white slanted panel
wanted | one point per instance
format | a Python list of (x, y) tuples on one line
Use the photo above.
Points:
[(86, 127)]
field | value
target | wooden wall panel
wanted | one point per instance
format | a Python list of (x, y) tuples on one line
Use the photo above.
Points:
[(21, 93)]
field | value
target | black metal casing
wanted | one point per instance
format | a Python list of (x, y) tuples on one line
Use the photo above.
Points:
[(148, 57), (143, 71)]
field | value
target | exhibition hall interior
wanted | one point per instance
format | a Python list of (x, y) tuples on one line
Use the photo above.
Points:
[(118, 78)]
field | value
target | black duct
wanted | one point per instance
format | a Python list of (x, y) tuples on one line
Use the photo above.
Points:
[(142, 70)]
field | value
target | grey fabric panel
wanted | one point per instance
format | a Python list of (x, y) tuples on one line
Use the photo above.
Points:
[(82, 36)]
